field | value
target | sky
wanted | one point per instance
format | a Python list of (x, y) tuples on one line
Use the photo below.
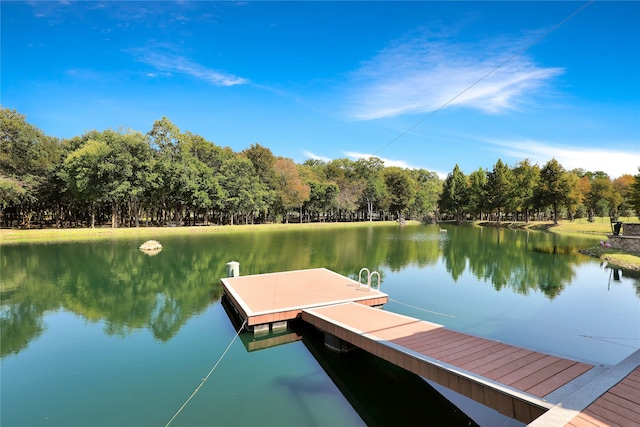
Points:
[(421, 84)]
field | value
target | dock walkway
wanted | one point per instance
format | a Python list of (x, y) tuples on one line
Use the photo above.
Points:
[(527, 385), (512, 380)]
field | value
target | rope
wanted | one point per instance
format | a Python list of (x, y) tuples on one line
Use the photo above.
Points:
[(608, 340), (208, 375), (421, 309), (515, 55)]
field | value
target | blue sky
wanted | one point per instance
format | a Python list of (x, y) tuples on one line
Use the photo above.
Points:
[(418, 84)]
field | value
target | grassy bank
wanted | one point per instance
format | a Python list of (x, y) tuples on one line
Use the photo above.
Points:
[(601, 227), (50, 235)]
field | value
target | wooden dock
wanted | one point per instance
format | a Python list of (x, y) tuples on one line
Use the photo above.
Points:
[(272, 299), (526, 385), (619, 406), (512, 380)]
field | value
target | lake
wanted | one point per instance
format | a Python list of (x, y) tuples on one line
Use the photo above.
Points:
[(98, 333)]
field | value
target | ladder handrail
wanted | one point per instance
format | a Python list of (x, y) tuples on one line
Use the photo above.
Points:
[(368, 277)]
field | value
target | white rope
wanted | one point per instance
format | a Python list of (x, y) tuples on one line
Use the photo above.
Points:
[(421, 309), (608, 340), (208, 375)]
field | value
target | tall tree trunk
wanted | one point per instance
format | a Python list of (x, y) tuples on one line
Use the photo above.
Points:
[(114, 215)]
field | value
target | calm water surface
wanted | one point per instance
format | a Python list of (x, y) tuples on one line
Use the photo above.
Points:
[(100, 334)]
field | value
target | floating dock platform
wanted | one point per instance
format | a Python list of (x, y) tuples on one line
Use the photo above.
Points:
[(529, 386), (269, 301)]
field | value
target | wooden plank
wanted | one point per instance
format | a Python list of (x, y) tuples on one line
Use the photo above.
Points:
[(470, 349), (503, 370), (539, 371), (464, 343), (505, 351), (616, 417), (611, 400), (558, 380), (435, 337), (623, 389), (473, 354), (583, 420), (510, 363)]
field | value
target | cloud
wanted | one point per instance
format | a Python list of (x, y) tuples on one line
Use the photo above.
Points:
[(423, 74), (387, 162), (614, 163), (165, 59), (313, 156), (355, 156)]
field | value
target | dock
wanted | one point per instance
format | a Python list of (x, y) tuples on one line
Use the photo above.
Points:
[(269, 301), (529, 386)]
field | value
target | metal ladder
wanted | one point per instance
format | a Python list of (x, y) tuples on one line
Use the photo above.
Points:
[(369, 275)]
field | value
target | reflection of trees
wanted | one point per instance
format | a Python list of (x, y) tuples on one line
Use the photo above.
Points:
[(114, 283), (19, 324), (107, 281), (515, 259)]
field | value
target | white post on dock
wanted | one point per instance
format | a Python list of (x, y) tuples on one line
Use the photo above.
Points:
[(233, 269)]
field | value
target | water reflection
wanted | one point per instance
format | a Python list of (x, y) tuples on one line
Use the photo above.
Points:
[(112, 281)]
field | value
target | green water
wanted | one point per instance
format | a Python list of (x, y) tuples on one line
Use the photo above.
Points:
[(100, 334)]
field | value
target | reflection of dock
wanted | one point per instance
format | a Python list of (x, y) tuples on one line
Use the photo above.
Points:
[(526, 385), (254, 342)]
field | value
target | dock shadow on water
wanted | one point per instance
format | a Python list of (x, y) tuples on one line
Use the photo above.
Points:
[(383, 394)]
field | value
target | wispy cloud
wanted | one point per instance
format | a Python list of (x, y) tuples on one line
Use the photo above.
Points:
[(424, 73), (314, 156), (355, 156), (165, 59), (611, 161), (387, 162)]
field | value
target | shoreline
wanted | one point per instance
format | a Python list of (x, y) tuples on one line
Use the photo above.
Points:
[(615, 258)]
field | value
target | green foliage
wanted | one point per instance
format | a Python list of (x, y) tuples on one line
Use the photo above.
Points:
[(455, 193), (635, 193), (401, 187), (172, 177), (500, 188)]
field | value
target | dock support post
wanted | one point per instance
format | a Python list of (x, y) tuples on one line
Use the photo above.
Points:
[(233, 269), (261, 329), (277, 326), (336, 344)]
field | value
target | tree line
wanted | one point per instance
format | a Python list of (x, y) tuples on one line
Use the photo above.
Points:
[(169, 177), (527, 191)]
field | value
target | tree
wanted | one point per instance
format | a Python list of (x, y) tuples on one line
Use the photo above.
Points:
[(244, 193), (369, 172), (27, 156), (526, 179), (289, 189), (575, 197), (499, 188), (623, 187), (602, 200), (477, 192), (554, 187), (428, 189), (84, 173), (401, 190), (635, 193), (455, 194)]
